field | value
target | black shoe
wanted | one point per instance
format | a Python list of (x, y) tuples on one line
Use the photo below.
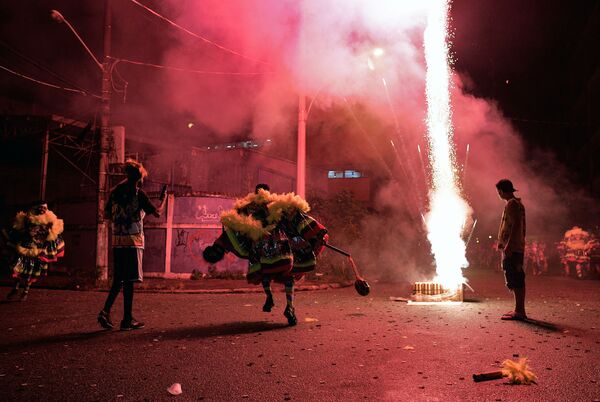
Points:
[(131, 324), (104, 320), (12, 294), (291, 317), (24, 295), (269, 304)]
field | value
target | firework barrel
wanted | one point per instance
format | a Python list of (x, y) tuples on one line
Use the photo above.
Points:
[(436, 292)]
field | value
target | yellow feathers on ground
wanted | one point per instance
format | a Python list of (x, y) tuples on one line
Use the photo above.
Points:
[(518, 372)]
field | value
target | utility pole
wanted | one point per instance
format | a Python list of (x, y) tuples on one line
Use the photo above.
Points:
[(105, 134), (301, 158)]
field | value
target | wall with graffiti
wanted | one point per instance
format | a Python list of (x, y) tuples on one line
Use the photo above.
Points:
[(192, 224), (174, 242)]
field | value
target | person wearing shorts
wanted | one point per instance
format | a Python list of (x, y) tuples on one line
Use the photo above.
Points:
[(126, 207), (511, 242)]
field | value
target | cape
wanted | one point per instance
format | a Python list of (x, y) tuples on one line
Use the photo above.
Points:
[(277, 206)]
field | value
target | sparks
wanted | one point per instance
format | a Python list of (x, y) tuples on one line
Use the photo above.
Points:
[(447, 209), (378, 52)]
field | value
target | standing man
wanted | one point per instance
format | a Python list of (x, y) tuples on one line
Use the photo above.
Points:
[(511, 242), (126, 207)]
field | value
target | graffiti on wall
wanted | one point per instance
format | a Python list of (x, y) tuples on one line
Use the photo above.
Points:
[(181, 238), (205, 215), (200, 210), (188, 247)]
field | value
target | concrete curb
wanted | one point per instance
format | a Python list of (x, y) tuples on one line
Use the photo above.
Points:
[(254, 289)]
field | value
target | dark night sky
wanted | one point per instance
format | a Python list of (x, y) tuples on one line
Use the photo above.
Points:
[(532, 44), (534, 57)]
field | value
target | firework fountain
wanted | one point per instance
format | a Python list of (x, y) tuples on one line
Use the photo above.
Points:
[(448, 211)]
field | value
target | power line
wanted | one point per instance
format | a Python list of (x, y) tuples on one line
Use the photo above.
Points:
[(40, 66), (85, 93), (202, 38), (207, 72)]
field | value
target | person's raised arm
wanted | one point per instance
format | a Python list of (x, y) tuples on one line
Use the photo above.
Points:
[(149, 207), (163, 202)]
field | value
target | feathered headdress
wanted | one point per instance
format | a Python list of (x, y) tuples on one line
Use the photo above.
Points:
[(49, 219)]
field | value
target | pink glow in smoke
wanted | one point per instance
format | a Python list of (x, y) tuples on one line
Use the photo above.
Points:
[(448, 210), (322, 47)]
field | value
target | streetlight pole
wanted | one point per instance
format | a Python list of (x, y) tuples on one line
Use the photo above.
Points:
[(301, 158), (105, 134)]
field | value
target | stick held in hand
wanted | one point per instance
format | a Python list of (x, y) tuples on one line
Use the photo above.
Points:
[(361, 285)]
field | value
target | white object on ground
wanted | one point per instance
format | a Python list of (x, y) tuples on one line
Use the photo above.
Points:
[(175, 389)]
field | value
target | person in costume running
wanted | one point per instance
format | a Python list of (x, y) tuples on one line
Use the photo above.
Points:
[(279, 240), (36, 239)]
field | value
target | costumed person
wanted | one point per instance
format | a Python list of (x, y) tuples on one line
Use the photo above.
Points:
[(595, 256), (535, 258), (126, 207), (279, 240), (36, 239), (575, 250), (511, 242), (542, 262)]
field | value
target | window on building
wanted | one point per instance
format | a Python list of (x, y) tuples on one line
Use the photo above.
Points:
[(352, 174), (344, 174)]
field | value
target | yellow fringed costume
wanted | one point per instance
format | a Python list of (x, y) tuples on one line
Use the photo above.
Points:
[(36, 238), (273, 232)]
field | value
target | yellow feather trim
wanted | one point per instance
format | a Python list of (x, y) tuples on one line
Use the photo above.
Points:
[(49, 218), (57, 228), (518, 372), (244, 224), (28, 252), (277, 205), (285, 204), (263, 197), (20, 221)]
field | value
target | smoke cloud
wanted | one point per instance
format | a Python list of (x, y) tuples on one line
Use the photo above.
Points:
[(368, 108)]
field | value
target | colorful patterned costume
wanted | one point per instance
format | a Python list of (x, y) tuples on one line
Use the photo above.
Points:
[(36, 239), (575, 249), (38, 242), (535, 258), (275, 234)]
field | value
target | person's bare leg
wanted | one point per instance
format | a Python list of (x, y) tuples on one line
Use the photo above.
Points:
[(519, 294)]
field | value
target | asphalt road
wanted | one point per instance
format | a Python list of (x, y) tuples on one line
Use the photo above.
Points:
[(345, 347)]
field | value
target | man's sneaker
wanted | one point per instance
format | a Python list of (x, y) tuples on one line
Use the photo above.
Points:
[(12, 294), (291, 316), (269, 304), (128, 325), (104, 320), (24, 295)]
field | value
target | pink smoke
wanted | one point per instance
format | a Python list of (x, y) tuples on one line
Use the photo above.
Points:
[(321, 48)]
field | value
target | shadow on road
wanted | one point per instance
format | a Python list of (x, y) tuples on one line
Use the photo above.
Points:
[(231, 328), (542, 324), (54, 339), (472, 300)]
